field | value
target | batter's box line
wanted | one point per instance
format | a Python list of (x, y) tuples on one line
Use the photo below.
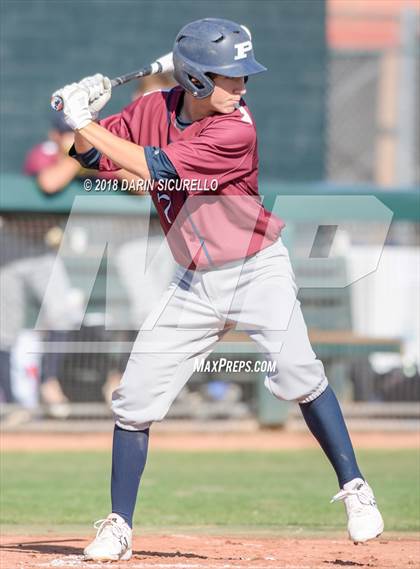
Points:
[(78, 561)]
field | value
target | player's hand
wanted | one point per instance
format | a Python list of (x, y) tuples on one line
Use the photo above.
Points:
[(99, 90), (76, 105)]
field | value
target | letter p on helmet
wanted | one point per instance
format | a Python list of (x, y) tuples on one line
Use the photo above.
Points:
[(242, 49)]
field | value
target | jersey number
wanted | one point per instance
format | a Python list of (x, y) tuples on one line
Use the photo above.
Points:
[(165, 198)]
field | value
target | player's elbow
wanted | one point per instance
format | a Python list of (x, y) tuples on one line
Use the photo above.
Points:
[(141, 170), (142, 174), (139, 166)]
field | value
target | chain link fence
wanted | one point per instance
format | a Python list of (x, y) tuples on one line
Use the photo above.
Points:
[(87, 375)]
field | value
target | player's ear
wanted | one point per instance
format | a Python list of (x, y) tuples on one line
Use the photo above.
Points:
[(195, 82)]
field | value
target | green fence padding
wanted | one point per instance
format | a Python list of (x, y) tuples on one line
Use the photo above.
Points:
[(20, 193)]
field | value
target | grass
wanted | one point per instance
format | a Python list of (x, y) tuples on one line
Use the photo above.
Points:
[(278, 491)]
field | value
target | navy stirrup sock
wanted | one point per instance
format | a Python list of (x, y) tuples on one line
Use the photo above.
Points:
[(326, 422), (129, 454)]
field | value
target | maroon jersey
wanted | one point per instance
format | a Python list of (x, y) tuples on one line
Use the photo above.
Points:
[(213, 214)]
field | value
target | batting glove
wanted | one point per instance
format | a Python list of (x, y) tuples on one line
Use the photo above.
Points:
[(99, 90), (76, 106)]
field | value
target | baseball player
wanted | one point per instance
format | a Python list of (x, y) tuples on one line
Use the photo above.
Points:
[(233, 269)]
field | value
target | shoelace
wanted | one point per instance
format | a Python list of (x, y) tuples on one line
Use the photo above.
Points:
[(362, 492), (101, 525)]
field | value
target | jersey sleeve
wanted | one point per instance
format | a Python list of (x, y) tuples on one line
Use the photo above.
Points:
[(219, 153), (160, 167)]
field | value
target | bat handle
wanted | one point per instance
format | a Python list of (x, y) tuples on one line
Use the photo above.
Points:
[(57, 103)]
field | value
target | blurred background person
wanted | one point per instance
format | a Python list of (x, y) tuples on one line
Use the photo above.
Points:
[(49, 160), (26, 267)]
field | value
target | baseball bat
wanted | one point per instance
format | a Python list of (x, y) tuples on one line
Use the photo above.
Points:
[(161, 65)]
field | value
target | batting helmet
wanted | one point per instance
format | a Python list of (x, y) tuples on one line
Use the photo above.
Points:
[(212, 45)]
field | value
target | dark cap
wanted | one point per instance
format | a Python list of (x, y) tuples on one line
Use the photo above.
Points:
[(58, 122)]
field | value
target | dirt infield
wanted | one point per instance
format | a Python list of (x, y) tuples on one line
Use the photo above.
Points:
[(205, 552), (264, 440)]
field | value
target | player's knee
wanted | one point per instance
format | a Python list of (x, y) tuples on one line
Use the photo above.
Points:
[(139, 414), (137, 419), (297, 382), (280, 391)]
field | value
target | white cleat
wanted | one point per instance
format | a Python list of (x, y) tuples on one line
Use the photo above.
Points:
[(113, 541), (364, 519)]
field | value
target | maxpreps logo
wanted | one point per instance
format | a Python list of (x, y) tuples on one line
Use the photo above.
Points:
[(235, 366), (242, 49)]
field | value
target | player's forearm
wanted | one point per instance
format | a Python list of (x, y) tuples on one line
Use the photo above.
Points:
[(81, 145), (127, 155)]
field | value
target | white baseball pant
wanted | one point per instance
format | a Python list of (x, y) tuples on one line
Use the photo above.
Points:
[(257, 295)]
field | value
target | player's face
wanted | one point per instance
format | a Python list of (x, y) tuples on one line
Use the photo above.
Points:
[(227, 93)]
